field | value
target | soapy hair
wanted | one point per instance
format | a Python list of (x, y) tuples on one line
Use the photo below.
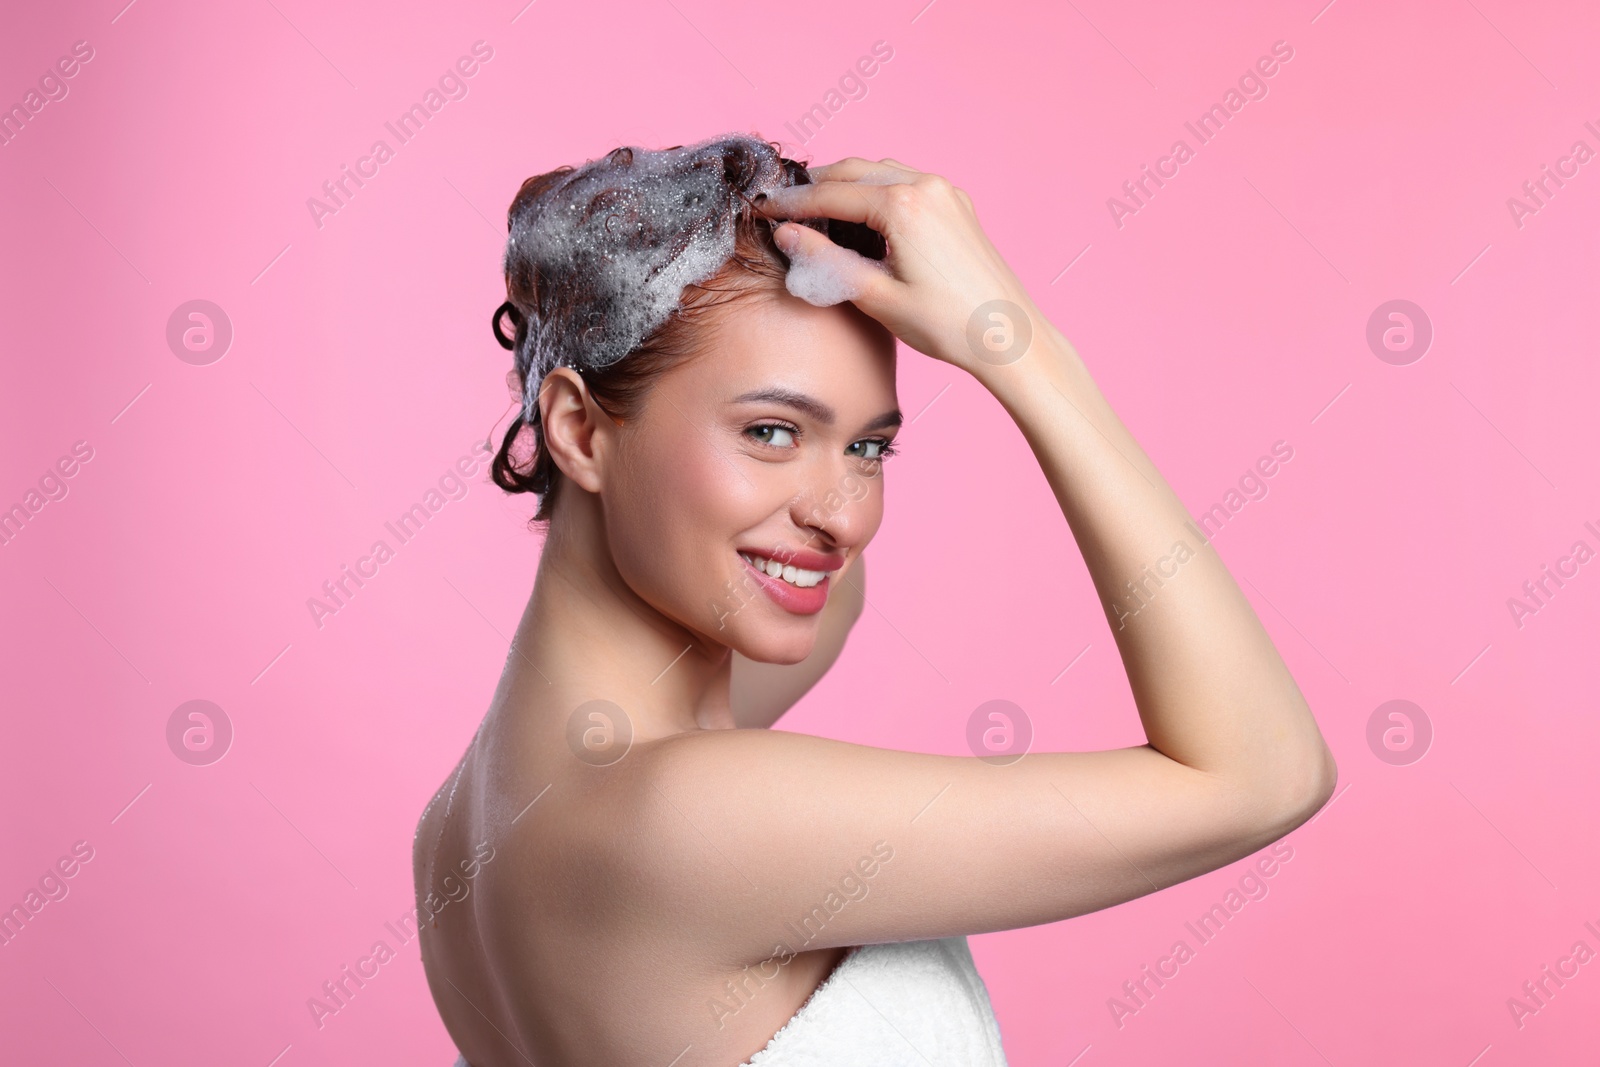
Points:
[(614, 268)]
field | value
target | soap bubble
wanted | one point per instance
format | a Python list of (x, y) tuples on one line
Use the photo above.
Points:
[(822, 277), (638, 226)]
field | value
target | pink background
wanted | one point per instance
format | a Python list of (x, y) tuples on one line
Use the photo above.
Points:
[(1227, 314)]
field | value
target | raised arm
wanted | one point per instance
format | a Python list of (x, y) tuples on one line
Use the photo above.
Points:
[(736, 833), (1212, 691)]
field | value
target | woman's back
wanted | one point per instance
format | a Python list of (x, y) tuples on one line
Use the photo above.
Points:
[(546, 956)]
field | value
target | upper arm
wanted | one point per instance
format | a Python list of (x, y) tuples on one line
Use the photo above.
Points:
[(758, 835)]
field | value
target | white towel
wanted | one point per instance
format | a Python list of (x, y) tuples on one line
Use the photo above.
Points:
[(908, 1004)]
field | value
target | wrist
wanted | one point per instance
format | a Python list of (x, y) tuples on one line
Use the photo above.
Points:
[(1049, 360)]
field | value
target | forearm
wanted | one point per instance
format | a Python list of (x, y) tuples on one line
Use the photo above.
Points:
[(1211, 689)]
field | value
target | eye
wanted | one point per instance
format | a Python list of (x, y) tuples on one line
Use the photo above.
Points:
[(772, 433), (872, 448)]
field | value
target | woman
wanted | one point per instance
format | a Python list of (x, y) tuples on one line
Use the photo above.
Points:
[(627, 867)]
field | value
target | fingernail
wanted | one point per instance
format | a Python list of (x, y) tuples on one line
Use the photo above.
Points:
[(760, 199)]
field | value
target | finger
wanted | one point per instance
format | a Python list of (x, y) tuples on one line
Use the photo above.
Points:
[(856, 169), (902, 166), (823, 273), (843, 200)]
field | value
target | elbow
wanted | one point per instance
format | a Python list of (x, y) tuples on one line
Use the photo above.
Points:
[(1309, 789), (1299, 786)]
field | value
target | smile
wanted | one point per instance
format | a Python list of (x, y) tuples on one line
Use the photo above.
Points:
[(795, 576)]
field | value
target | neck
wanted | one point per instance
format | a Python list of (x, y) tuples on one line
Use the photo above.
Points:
[(587, 635)]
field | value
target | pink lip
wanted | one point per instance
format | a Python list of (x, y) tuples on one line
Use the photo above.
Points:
[(798, 557), (792, 598)]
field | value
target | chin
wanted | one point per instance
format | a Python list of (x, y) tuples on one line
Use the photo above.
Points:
[(770, 641), (745, 618)]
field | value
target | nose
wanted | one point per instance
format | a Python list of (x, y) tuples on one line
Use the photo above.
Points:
[(838, 507)]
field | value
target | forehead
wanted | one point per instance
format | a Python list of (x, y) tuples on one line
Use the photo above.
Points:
[(837, 353)]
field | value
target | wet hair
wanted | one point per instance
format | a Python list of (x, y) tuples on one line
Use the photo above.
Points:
[(613, 269)]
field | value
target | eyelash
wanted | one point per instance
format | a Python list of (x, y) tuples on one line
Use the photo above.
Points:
[(885, 448)]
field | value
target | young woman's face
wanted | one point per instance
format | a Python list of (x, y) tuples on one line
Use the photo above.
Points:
[(767, 445)]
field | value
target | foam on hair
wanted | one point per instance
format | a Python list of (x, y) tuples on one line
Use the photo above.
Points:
[(817, 277), (639, 226), (613, 267)]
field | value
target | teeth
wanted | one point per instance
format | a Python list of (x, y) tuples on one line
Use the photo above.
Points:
[(795, 576)]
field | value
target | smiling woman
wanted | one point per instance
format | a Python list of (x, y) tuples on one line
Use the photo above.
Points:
[(708, 449)]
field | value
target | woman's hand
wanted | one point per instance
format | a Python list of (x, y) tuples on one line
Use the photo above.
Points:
[(943, 289)]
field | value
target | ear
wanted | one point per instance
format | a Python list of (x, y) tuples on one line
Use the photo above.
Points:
[(574, 428)]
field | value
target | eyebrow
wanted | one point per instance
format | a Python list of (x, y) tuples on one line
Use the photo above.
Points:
[(814, 407)]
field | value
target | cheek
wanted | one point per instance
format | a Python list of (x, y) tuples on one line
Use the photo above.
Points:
[(684, 480), (679, 502)]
